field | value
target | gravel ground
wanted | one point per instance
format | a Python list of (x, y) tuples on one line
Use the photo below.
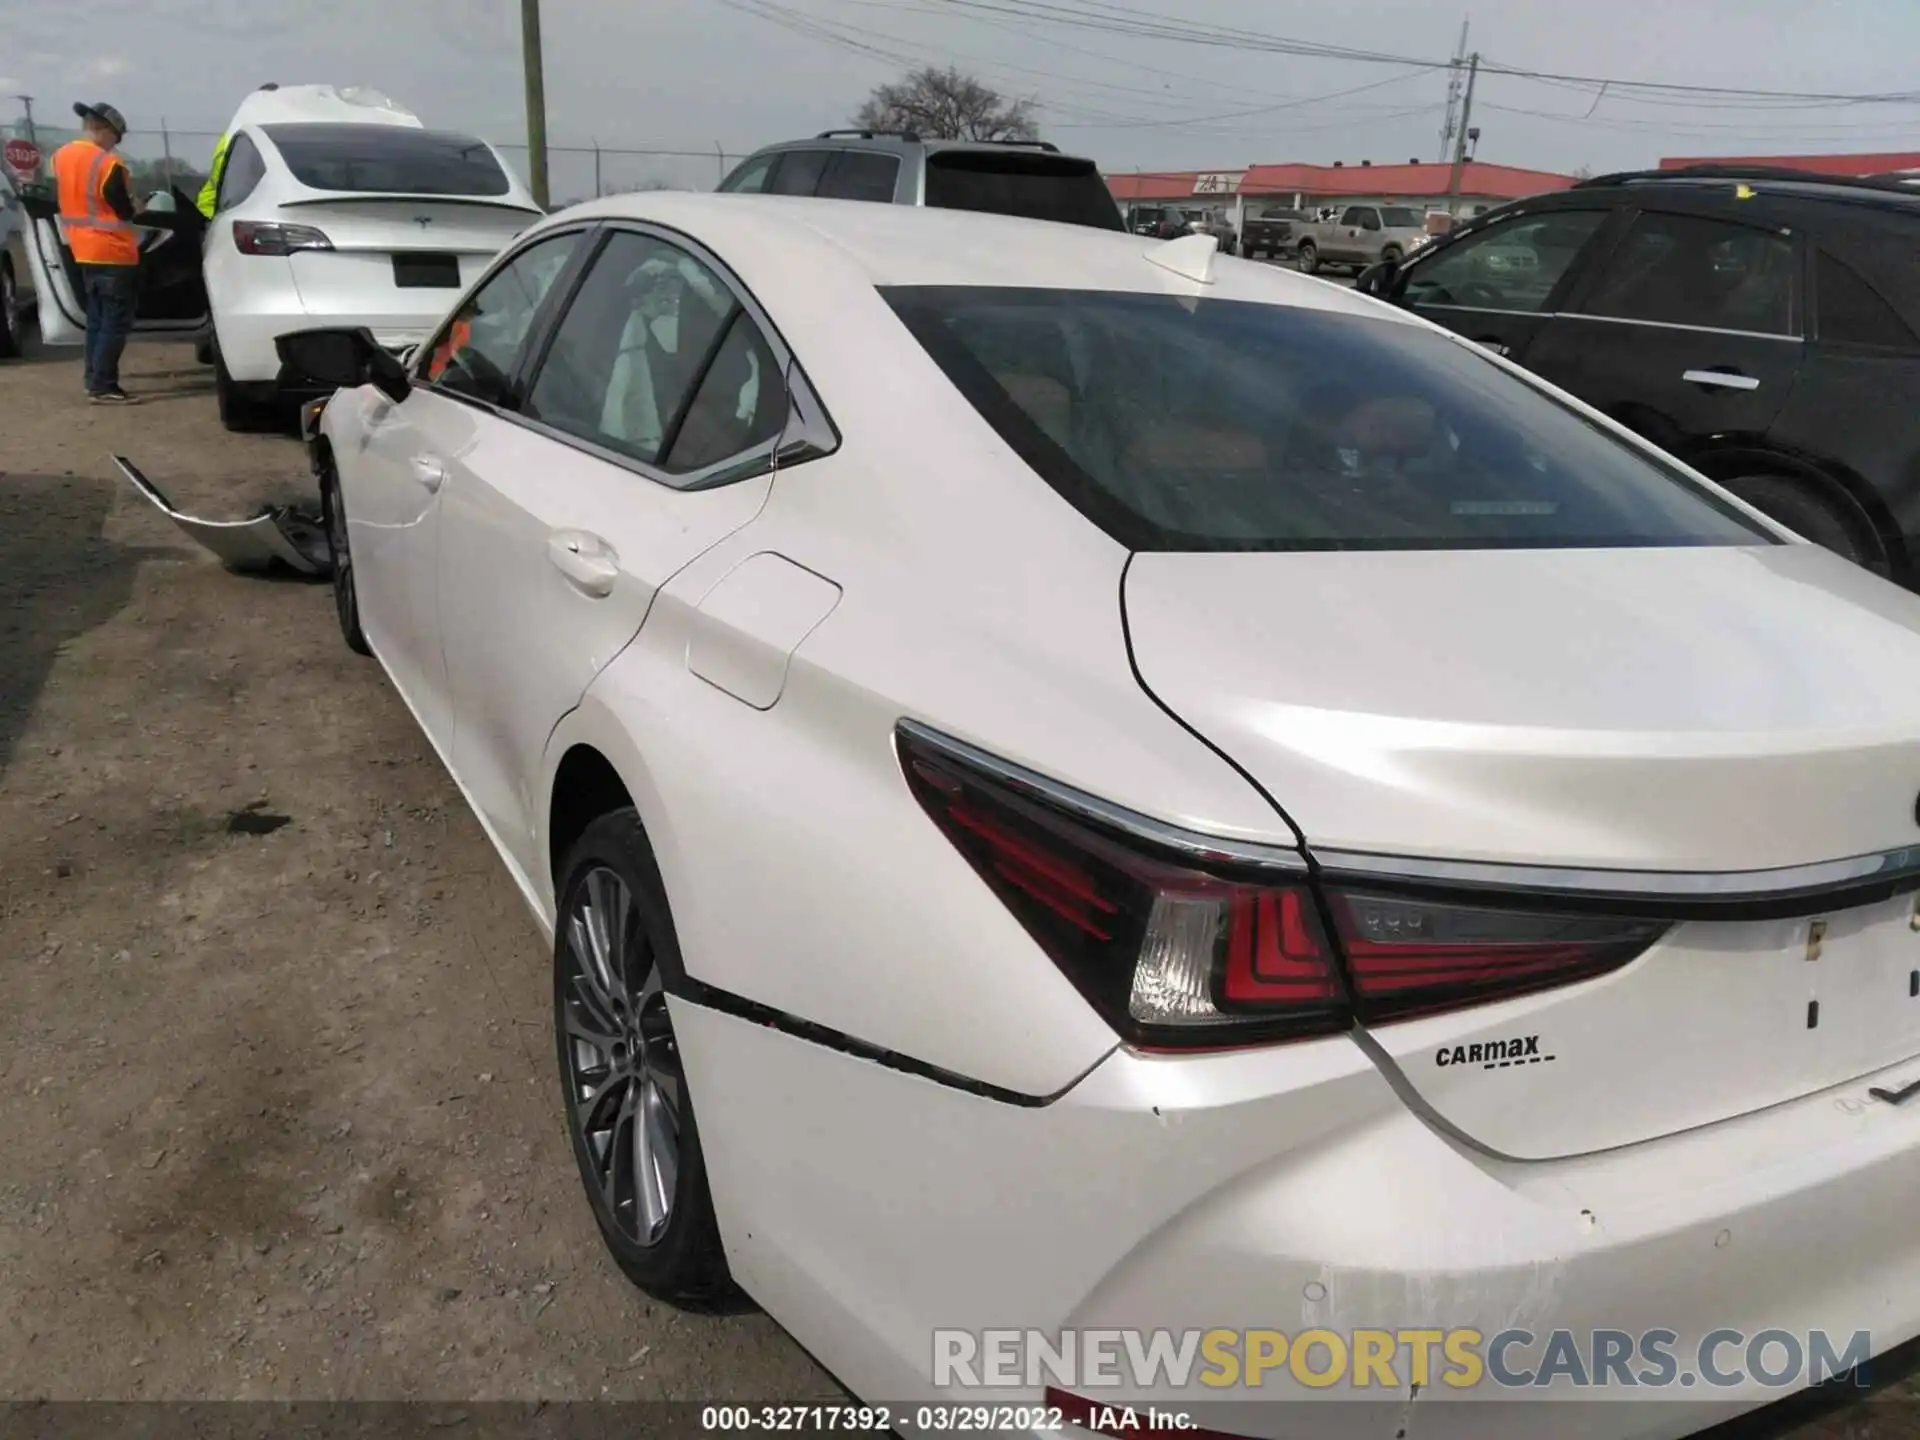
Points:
[(277, 1095), (276, 1092)]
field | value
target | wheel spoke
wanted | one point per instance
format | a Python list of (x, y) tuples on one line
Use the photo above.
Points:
[(600, 1106), (606, 914), (656, 1159), (617, 1172), (587, 962), (596, 1009)]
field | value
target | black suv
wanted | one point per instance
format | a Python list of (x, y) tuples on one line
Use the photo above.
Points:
[(1762, 325), (1028, 178)]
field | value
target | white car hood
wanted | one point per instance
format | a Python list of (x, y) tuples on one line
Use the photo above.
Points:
[(1673, 708)]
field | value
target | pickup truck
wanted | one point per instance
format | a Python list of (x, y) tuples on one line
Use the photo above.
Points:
[(1270, 231), (1358, 235)]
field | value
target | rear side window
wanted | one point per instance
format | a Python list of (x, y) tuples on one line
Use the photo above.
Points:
[(1225, 425), (388, 159), (239, 173), (1684, 270), (751, 177), (1852, 312), (1036, 186), (862, 175), (798, 172), (632, 347)]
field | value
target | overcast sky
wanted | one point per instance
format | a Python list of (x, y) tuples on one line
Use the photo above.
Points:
[(692, 74)]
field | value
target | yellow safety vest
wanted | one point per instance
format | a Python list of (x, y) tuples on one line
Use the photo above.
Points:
[(94, 234), (210, 192)]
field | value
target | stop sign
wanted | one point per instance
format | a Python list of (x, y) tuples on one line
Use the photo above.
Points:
[(22, 157)]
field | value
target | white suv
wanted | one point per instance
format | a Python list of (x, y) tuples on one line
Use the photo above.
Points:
[(335, 207)]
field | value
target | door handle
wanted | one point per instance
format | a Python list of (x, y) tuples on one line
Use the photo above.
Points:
[(586, 560), (1722, 379), (430, 471)]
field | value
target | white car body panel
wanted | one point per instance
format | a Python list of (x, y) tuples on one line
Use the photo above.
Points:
[(944, 1133), (256, 298)]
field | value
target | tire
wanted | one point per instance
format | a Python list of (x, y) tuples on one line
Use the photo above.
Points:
[(203, 352), (1804, 508), (1308, 258), (12, 341), (239, 413), (346, 595), (614, 946)]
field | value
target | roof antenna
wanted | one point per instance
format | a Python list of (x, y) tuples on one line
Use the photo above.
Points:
[(1190, 257)]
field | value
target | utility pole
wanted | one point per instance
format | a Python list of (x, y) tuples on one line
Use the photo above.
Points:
[(26, 103), (1454, 82), (536, 99), (1460, 140)]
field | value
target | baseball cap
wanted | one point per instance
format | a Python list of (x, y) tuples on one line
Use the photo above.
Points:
[(105, 114)]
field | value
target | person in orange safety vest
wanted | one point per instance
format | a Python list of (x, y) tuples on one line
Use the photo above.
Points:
[(96, 222)]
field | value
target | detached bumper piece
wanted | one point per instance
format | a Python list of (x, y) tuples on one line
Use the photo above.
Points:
[(280, 538)]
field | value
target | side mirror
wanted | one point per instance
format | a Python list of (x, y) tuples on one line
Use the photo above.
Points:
[(345, 359), (1377, 279)]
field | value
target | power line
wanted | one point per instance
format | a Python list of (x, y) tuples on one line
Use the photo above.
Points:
[(1104, 15)]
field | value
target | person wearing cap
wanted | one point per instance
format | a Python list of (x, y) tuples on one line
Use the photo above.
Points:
[(210, 192), (96, 221)]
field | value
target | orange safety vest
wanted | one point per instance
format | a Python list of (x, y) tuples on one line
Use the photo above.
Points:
[(94, 234)]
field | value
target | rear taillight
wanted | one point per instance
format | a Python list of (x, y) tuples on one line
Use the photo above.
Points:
[(261, 237), (1411, 956), (1178, 952)]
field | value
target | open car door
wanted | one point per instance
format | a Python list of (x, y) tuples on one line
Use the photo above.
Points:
[(173, 296)]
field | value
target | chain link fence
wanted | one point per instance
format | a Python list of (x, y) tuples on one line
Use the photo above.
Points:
[(167, 158)]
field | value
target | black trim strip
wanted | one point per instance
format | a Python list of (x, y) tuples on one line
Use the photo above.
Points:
[(709, 997)]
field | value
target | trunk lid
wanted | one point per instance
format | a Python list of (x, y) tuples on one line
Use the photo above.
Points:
[(396, 256), (1694, 709)]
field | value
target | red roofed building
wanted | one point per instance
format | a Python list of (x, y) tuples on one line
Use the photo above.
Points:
[(1482, 186), (1820, 164)]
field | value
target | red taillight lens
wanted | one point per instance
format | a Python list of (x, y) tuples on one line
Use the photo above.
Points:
[(259, 237), (1179, 953), (1412, 956), (1169, 952)]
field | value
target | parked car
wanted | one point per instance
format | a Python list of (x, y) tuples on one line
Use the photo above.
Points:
[(1208, 222), (335, 205), (172, 298), (1161, 222), (1031, 179), (1752, 322), (987, 709), (17, 291), (1356, 236), (1270, 230)]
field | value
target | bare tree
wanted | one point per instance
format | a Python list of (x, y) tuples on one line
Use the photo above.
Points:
[(1583, 172), (946, 105)]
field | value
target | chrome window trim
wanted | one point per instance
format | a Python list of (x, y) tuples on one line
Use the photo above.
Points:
[(1191, 844), (1895, 866), (816, 433), (1671, 325), (812, 436)]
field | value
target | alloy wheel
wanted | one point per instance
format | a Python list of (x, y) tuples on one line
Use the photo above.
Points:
[(625, 1088)]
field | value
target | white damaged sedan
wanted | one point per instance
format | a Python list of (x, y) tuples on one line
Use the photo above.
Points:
[(1078, 784)]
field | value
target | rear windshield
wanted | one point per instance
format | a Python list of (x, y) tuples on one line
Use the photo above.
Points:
[(1176, 424), (1401, 218), (1038, 187), (388, 160)]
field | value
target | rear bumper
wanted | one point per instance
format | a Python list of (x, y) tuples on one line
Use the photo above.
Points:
[(248, 329), (1290, 1190)]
